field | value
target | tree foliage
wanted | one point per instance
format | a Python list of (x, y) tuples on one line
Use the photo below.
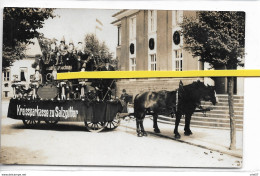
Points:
[(217, 37), (97, 48), (19, 26)]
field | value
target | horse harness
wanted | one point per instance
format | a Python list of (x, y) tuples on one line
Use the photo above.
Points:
[(201, 109)]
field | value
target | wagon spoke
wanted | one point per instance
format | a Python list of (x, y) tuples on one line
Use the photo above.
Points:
[(52, 121), (95, 126), (113, 123), (31, 122)]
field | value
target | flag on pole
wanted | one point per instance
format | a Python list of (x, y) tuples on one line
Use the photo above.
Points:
[(99, 28), (99, 22)]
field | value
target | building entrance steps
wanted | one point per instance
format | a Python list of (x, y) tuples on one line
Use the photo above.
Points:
[(218, 117)]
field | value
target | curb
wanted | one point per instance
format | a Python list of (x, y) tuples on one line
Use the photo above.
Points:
[(197, 145), (190, 143)]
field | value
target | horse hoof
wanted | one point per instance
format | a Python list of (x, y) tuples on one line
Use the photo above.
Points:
[(177, 136), (157, 131), (188, 133), (144, 134), (139, 134)]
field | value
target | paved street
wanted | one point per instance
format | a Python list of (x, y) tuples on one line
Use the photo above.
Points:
[(68, 143)]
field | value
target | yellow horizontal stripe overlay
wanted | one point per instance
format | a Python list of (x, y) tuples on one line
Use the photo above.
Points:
[(158, 74)]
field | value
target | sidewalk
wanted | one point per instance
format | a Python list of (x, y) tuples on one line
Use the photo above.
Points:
[(208, 138)]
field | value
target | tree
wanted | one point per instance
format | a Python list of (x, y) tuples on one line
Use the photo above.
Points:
[(97, 48), (218, 38), (20, 25)]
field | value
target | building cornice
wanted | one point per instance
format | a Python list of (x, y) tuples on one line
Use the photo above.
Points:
[(121, 14), (118, 13)]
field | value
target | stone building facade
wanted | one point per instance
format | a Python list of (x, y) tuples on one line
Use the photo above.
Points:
[(146, 41), (151, 40)]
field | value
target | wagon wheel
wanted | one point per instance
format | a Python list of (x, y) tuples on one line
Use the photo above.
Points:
[(95, 126), (52, 122), (113, 124), (31, 122)]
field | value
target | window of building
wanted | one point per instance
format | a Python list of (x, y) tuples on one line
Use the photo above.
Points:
[(152, 20), (23, 73), (132, 27), (132, 65), (7, 75), (119, 36), (152, 62), (178, 60), (6, 93)]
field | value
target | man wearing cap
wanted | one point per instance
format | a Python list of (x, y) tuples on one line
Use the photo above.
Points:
[(71, 52), (107, 84), (63, 53), (125, 99), (53, 52), (80, 49), (80, 52), (107, 66)]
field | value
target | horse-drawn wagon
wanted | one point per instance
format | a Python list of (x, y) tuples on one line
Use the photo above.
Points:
[(91, 102), (49, 100)]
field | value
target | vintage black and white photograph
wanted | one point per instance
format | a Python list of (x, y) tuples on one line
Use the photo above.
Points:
[(142, 122)]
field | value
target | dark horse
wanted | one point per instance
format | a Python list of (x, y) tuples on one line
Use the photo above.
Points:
[(189, 98), (154, 103), (183, 101)]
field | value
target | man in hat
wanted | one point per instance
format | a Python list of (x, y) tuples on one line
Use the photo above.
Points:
[(125, 99), (107, 84), (107, 66), (80, 49), (80, 54), (63, 53), (53, 51), (71, 52)]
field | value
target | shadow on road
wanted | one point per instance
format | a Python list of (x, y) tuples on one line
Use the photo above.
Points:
[(56, 127)]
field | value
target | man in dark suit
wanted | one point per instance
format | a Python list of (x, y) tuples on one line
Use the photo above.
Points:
[(104, 86), (107, 66)]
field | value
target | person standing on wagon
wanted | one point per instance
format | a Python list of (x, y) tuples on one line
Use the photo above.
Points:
[(80, 52), (63, 53), (53, 53), (108, 84), (37, 76), (71, 53), (107, 66)]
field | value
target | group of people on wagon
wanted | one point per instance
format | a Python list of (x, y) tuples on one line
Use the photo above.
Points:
[(65, 55), (75, 57)]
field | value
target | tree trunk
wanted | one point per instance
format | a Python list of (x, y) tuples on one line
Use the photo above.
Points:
[(231, 113)]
